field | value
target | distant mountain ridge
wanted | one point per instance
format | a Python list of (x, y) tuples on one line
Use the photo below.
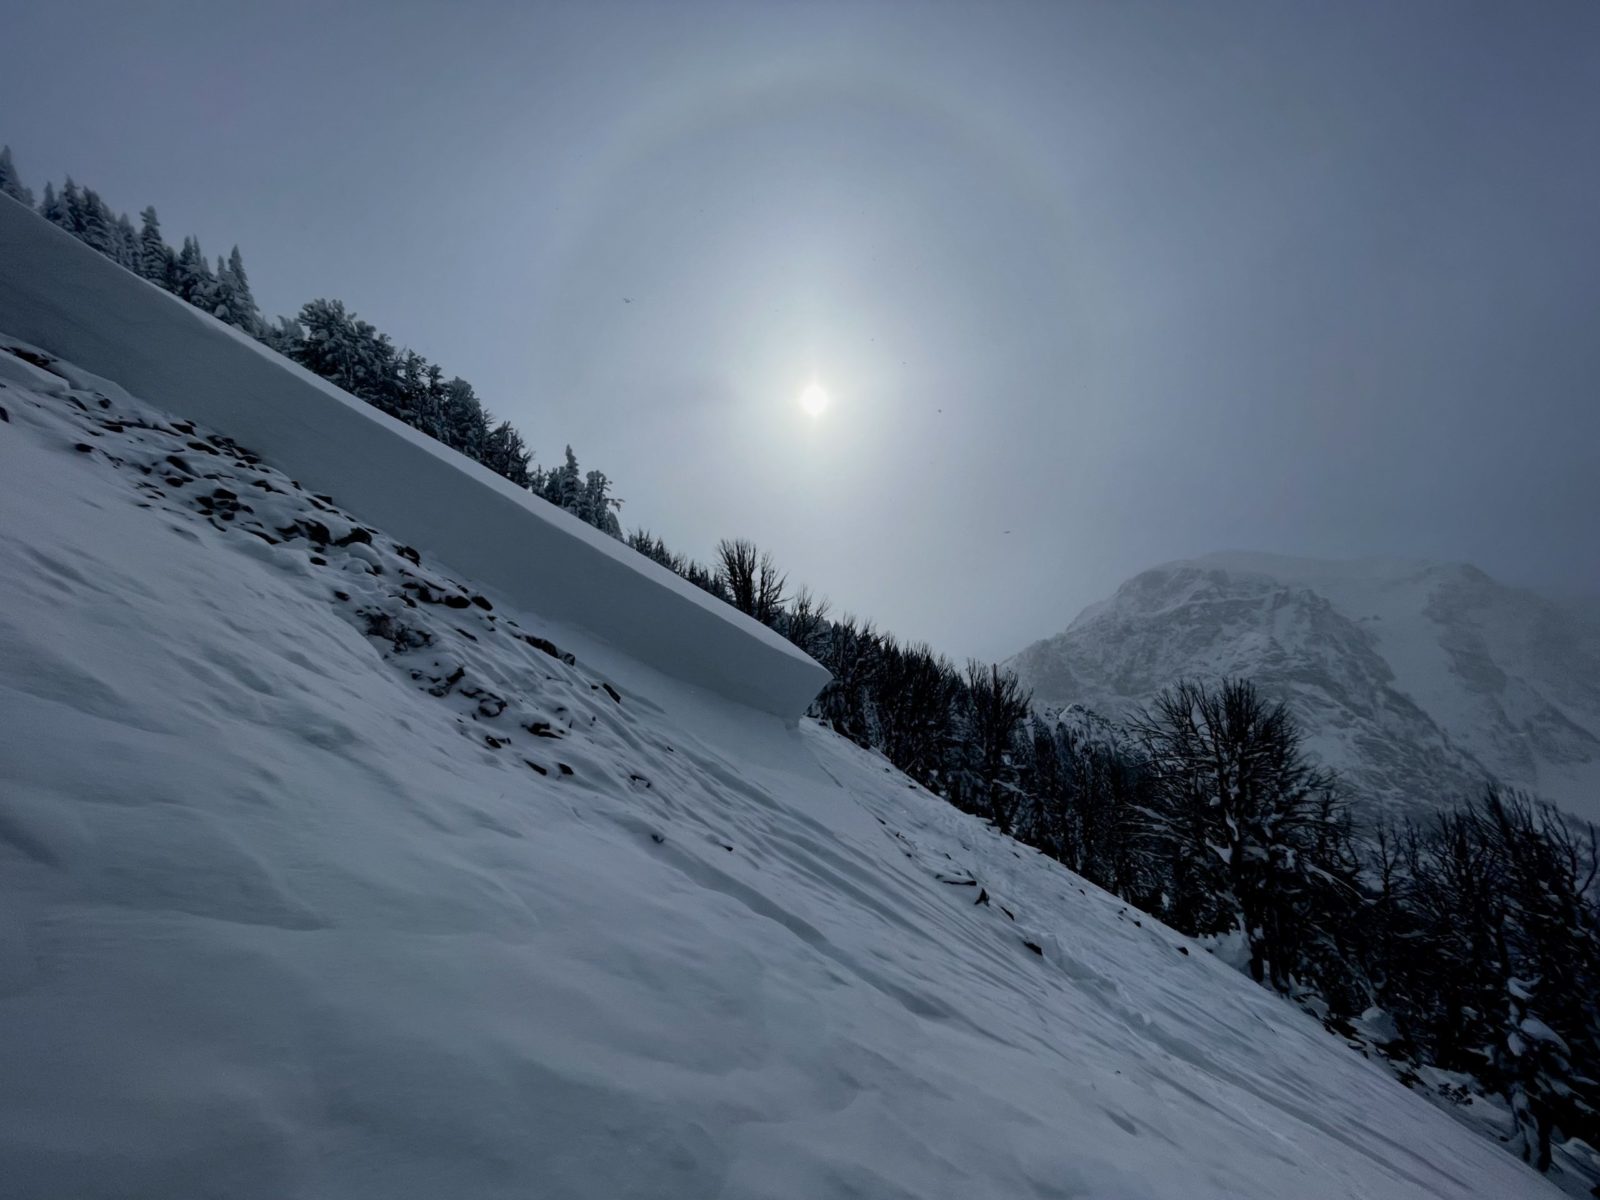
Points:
[(1416, 681)]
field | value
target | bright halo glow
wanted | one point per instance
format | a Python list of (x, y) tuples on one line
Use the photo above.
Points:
[(814, 399)]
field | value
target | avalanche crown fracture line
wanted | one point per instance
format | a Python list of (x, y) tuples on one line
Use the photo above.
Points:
[(322, 874), (64, 297)]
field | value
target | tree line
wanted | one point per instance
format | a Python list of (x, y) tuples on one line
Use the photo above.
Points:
[(1467, 943), (326, 339)]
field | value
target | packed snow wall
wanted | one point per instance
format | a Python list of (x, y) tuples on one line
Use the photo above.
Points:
[(66, 298)]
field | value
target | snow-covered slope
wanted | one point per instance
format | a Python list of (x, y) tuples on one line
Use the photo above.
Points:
[(325, 872), (1415, 680), (57, 292)]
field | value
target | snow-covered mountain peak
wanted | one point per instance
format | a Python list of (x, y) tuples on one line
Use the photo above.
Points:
[(1416, 680)]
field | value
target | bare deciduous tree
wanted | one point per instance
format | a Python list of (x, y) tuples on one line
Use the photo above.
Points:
[(753, 582)]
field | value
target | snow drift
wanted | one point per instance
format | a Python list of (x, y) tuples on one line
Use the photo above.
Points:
[(327, 872), (61, 295)]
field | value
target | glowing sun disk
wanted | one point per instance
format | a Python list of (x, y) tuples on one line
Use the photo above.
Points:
[(814, 399)]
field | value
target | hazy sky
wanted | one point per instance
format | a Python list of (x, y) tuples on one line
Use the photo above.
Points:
[(1130, 281)]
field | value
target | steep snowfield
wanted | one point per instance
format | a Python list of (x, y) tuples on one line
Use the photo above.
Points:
[(1417, 681), (56, 291), (326, 874)]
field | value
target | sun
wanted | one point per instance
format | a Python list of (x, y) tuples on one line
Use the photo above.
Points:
[(814, 398)]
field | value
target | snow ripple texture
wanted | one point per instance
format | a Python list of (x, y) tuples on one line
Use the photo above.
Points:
[(326, 874)]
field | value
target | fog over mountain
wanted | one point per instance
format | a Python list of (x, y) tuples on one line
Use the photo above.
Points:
[(1415, 680)]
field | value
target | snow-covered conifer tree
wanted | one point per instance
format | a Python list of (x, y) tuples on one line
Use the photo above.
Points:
[(155, 256), (193, 279), (505, 454), (10, 182), (53, 209), (597, 506), (96, 227), (235, 304), (72, 207), (127, 243)]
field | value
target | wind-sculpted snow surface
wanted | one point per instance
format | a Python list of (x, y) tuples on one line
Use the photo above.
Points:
[(57, 292), (326, 873)]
